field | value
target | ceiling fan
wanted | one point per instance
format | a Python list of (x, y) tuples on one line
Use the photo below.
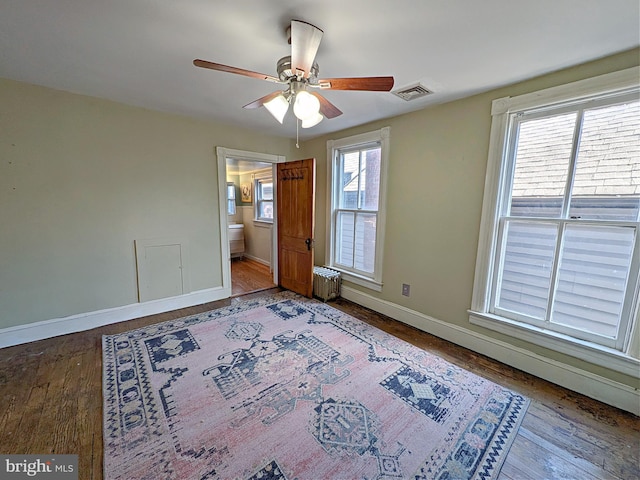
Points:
[(299, 72)]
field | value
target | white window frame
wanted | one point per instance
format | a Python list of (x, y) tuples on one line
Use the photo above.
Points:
[(231, 198), (373, 281), (625, 359), (257, 179)]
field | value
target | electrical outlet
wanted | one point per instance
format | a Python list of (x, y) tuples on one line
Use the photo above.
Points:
[(406, 289)]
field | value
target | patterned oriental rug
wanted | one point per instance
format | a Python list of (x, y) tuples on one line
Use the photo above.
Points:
[(283, 387)]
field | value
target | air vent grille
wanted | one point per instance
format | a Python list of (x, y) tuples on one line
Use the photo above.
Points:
[(412, 92)]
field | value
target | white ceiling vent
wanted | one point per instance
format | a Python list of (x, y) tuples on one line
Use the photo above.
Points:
[(412, 92)]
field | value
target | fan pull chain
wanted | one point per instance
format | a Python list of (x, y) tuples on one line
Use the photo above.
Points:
[(297, 123)]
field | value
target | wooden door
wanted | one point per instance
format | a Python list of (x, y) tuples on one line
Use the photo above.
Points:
[(296, 214)]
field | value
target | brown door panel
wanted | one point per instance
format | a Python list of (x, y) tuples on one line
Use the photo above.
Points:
[(296, 202)]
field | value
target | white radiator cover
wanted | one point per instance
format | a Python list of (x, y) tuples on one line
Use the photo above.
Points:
[(326, 283)]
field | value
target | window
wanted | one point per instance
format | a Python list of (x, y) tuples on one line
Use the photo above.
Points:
[(264, 199), (231, 198), (357, 174), (559, 260)]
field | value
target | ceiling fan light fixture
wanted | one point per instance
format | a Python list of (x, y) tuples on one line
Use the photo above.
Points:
[(312, 121), (306, 106), (299, 71), (278, 107)]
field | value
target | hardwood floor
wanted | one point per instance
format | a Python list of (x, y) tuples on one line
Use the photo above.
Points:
[(51, 402), (249, 276)]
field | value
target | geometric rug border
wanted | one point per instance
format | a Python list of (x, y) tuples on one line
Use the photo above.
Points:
[(513, 427)]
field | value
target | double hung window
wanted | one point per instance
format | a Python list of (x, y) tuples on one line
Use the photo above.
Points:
[(264, 199), (357, 174), (563, 253), (231, 198)]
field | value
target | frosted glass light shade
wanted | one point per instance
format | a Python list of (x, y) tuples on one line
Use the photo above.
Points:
[(305, 105), (278, 107), (312, 121)]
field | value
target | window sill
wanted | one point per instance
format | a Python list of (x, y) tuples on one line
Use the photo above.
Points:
[(587, 351), (262, 223), (358, 279)]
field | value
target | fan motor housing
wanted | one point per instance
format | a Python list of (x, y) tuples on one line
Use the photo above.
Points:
[(285, 73)]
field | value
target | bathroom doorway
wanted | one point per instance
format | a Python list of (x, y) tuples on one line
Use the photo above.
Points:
[(251, 233)]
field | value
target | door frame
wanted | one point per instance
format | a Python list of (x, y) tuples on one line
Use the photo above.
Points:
[(223, 153)]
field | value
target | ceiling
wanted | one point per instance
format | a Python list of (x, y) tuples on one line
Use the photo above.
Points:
[(140, 52), (244, 167)]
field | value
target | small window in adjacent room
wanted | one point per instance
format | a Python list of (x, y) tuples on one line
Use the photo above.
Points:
[(264, 199), (231, 199), (559, 255), (357, 169)]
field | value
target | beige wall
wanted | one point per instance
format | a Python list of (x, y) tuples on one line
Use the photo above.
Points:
[(257, 237), (82, 178), (438, 159)]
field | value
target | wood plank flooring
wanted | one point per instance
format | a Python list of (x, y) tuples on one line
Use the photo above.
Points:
[(249, 276), (51, 402)]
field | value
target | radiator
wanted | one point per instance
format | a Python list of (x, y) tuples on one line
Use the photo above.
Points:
[(326, 283)]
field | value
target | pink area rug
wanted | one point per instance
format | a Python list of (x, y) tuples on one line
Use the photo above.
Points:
[(283, 387)]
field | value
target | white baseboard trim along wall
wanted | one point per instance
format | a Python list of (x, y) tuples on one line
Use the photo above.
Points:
[(258, 260), (612, 393), (86, 321)]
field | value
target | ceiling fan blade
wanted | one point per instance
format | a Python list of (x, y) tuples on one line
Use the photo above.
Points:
[(327, 108), (305, 40), (240, 71), (373, 84), (262, 100)]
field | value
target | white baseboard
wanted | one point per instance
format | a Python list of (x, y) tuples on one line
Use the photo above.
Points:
[(257, 260), (86, 321), (595, 386)]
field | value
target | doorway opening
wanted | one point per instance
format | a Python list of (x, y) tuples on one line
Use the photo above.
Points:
[(248, 222)]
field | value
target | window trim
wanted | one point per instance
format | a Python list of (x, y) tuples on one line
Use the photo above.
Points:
[(373, 282), (502, 109), (231, 187), (258, 178)]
